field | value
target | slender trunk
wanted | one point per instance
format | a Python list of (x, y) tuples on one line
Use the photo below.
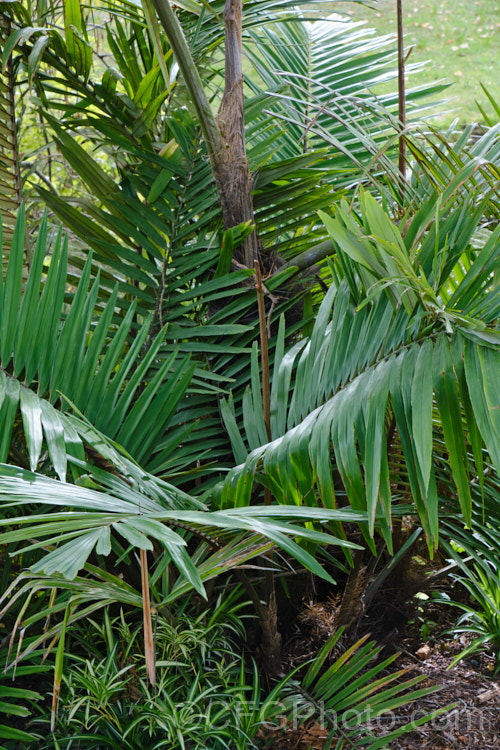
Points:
[(231, 122), (10, 174), (351, 607), (271, 637), (225, 135)]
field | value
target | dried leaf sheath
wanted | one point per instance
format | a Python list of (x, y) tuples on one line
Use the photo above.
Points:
[(10, 180), (149, 648)]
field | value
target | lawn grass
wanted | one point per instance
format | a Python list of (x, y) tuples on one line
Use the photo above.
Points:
[(459, 38)]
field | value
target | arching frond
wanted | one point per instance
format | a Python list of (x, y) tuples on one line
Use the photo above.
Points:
[(392, 345), (50, 351)]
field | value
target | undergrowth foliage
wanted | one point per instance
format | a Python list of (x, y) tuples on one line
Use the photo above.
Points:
[(175, 418)]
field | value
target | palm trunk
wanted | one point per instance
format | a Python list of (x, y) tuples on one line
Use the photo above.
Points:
[(224, 135), (11, 191), (231, 122)]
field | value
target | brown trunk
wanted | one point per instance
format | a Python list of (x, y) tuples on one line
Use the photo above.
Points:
[(224, 137), (233, 175), (352, 607), (12, 195), (271, 638)]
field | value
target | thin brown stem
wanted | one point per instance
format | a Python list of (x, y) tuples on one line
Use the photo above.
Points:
[(401, 97), (149, 649), (271, 638), (225, 135), (264, 349)]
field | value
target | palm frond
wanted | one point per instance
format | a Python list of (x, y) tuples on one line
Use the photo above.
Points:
[(111, 515), (137, 517), (358, 694), (320, 79), (441, 158), (90, 360), (387, 343)]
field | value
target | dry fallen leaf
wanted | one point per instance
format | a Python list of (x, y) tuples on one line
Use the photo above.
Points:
[(489, 694), (424, 652)]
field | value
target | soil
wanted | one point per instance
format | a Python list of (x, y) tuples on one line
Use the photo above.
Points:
[(468, 688)]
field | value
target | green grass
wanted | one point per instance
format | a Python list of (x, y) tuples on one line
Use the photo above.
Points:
[(459, 38)]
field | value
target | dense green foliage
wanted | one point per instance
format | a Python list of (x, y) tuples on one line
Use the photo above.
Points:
[(142, 461)]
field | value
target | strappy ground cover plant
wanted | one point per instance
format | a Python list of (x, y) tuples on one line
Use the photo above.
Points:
[(134, 429)]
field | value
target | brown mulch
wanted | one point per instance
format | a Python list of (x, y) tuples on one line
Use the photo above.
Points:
[(472, 724)]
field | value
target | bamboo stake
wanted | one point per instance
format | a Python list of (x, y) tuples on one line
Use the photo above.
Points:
[(271, 638), (264, 349), (149, 648), (401, 98)]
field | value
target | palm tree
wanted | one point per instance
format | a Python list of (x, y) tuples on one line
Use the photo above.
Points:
[(147, 380)]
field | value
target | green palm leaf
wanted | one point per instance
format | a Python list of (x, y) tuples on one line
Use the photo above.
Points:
[(355, 694), (114, 515), (381, 359), (54, 348)]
